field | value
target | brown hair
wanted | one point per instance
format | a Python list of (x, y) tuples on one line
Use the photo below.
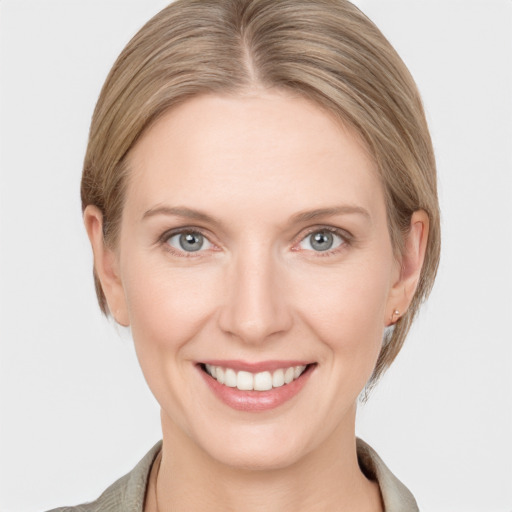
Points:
[(326, 50)]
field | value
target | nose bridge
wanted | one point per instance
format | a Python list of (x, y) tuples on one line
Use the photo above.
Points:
[(255, 306)]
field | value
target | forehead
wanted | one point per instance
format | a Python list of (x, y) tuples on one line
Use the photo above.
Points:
[(258, 150)]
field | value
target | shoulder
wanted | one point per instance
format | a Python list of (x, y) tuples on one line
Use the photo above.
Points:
[(126, 494), (395, 495)]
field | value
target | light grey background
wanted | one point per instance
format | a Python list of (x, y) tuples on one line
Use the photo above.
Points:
[(75, 411)]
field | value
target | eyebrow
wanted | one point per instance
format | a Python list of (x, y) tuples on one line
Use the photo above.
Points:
[(189, 213), (328, 212), (179, 211)]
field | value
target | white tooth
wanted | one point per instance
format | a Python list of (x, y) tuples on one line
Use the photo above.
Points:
[(219, 374), (263, 381), (297, 371), (213, 371), (278, 378), (244, 381), (288, 375), (208, 368), (230, 378)]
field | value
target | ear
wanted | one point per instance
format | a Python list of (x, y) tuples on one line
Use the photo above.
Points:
[(106, 266), (412, 259)]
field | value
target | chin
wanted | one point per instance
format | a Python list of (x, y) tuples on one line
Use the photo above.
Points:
[(256, 447), (258, 456)]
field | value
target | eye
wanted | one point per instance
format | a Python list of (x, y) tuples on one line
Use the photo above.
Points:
[(322, 240), (189, 241)]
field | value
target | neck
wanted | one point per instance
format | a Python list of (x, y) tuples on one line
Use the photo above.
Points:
[(327, 478)]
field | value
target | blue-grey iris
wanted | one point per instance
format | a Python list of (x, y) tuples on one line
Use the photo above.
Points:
[(191, 242), (322, 241)]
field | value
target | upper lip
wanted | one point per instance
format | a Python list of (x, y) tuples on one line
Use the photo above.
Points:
[(255, 367)]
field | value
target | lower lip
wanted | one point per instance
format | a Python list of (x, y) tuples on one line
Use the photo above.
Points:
[(255, 401)]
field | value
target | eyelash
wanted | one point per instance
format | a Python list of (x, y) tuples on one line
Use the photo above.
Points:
[(346, 237), (163, 240)]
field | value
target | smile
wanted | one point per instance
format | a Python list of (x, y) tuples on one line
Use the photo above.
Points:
[(261, 381), (255, 387)]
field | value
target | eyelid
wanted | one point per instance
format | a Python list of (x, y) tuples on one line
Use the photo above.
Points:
[(342, 233), (163, 240)]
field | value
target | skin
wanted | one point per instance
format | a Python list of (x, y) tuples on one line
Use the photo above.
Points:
[(258, 291)]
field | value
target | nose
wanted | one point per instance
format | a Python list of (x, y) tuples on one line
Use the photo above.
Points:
[(255, 306)]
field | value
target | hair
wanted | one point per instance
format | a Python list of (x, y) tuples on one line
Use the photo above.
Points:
[(325, 50)]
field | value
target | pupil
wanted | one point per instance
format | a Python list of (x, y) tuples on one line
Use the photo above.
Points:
[(322, 241), (191, 241)]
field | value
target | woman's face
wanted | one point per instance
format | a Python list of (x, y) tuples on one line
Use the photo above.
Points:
[(254, 239)]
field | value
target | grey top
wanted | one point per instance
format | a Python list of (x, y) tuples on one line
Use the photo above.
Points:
[(127, 494)]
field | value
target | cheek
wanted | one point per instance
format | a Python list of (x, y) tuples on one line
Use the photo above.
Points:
[(346, 307), (167, 306)]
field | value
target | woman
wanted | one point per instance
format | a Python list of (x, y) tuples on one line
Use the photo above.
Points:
[(259, 192)]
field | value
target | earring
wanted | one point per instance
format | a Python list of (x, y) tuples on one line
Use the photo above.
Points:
[(395, 313)]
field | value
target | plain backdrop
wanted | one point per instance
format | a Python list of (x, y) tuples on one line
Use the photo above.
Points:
[(75, 411)]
